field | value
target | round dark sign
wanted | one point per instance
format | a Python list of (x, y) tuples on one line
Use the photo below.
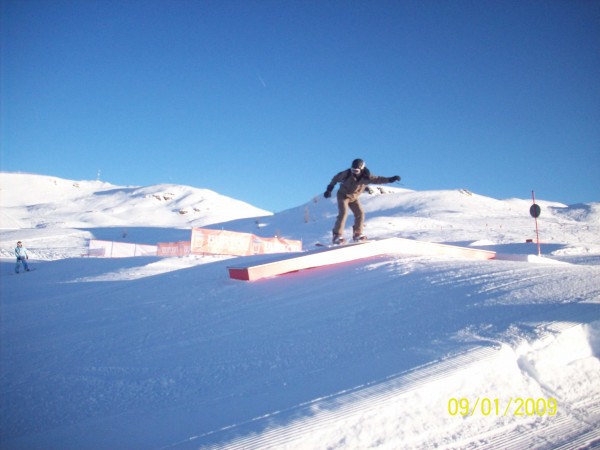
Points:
[(535, 210)]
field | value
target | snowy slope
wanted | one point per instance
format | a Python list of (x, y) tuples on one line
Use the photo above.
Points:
[(58, 214), (458, 217), (35, 201), (380, 353)]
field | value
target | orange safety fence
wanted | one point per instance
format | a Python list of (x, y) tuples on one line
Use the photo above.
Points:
[(112, 249), (221, 242), (181, 248)]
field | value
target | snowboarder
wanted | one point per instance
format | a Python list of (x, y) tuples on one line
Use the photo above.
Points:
[(353, 183), (22, 257)]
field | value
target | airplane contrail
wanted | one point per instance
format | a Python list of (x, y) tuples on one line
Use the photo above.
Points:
[(261, 79)]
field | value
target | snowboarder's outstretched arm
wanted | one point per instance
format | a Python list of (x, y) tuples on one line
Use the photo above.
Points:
[(374, 179), (358, 184)]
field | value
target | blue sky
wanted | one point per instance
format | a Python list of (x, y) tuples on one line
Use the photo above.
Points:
[(265, 101)]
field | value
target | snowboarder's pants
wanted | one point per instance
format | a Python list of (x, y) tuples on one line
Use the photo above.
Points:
[(359, 216), (21, 260)]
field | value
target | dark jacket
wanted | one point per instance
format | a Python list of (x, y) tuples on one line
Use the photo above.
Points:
[(352, 186)]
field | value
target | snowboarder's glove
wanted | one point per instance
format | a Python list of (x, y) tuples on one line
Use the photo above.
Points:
[(327, 193), (394, 178)]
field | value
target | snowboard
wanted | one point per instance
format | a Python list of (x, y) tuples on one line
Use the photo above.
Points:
[(343, 244)]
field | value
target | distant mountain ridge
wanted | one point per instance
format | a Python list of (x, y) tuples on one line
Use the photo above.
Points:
[(58, 216), (39, 201)]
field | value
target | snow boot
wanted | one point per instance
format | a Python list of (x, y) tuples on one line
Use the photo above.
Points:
[(338, 240)]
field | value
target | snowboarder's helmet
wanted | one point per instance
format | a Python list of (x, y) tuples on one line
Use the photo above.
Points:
[(358, 164)]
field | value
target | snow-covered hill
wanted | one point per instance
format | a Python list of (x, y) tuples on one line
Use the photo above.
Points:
[(36, 201), (53, 214), (457, 216), (389, 352), (58, 215)]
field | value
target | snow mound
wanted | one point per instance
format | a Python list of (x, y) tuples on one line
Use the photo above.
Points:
[(36, 201)]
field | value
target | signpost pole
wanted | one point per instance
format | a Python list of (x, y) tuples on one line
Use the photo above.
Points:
[(535, 212)]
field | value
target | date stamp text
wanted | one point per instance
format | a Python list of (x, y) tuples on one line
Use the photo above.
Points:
[(514, 406)]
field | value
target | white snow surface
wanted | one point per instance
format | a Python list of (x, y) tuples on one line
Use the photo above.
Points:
[(388, 352)]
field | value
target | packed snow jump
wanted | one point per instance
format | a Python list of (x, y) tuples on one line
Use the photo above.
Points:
[(352, 252)]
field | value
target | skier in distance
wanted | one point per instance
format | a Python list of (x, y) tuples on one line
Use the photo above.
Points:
[(22, 257), (353, 183)]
